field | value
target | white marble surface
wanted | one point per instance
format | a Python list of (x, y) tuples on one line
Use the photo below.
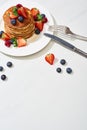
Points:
[(35, 96)]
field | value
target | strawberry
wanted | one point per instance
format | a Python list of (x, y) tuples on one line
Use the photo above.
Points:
[(22, 11), (50, 58), (39, 25), (35, 12), (11, 15), (21, 42), (5, 36)]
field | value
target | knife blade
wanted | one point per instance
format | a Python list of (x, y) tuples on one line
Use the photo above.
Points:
[(66, 44)]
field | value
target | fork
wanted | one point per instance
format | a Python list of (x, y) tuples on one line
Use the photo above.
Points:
[(64, 30)]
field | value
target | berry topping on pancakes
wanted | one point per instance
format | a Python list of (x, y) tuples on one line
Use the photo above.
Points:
[(21, 23)]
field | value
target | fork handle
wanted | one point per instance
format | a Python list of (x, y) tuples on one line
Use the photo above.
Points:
[(78, 36)]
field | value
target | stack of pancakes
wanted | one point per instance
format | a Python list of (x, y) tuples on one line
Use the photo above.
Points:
[(23, 29)]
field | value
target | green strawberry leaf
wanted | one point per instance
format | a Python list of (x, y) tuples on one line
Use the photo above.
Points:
[(15, 11), (39, 17), (14, 41)]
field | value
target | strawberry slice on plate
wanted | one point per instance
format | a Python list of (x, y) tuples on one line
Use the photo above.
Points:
[(50, 58), (39, 25), (21, 42), (5, 36)]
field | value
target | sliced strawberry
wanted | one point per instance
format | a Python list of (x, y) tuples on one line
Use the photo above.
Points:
[(39, 25), (11, 15), (35, 12), (21, 42), (5, 36), (22, 11), (50, 58)]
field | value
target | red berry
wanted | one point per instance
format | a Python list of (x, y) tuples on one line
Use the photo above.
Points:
[(18, 5), (44, 20), (35, 18), (8, 43)]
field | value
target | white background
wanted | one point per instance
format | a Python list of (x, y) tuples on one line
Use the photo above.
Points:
[(35, 96)]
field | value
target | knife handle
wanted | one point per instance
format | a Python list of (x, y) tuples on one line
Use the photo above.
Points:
[(80, 52), (70, 46)]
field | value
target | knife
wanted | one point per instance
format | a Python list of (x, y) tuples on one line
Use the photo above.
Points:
[(66, 44)]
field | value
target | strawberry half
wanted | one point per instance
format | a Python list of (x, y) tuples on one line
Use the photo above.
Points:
[(21, 42), (50, 58), (35, 12), (22, 11), (11, 15), (39, 25), (5, 36)]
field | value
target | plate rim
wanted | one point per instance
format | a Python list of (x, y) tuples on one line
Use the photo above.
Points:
[(8, 51)]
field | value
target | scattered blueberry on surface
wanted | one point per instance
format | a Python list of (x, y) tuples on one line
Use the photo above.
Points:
[(13, 21), (20, 18), (1, 68), (58, 70), (3, 77), (9, 64), (63, 61), (69, 70)]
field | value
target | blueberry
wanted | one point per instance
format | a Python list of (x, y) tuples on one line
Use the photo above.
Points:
[(37, 31), (13, 21), (20, 18), (3, 77), (9, 64), (13, 41), (1, 33), (69, 70), (43, 15), (63, 61), (58, 70), (1, 68)]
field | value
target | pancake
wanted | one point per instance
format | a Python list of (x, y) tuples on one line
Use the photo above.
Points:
[(23, 29)]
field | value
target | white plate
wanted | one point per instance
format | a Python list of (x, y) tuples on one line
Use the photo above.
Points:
[(34, 44)]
